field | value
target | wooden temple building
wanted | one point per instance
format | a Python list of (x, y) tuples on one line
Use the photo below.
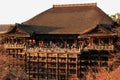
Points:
[(66, 42)]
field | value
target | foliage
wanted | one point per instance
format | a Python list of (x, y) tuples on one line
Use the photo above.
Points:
[(116, 17)]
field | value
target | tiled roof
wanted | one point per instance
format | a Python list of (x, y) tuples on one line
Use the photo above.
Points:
[(68, 19), (5, 28)]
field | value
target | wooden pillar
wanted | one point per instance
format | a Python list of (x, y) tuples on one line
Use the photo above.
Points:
[(47, 65), (9, 66), (57, 67), (91, 41), (109, 41), (25, 62), (77, 64), (38, 64), (29, 65), (99, 41), (12, 39), (67, 66)]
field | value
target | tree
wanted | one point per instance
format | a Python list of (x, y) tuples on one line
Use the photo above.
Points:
[(116, 17)]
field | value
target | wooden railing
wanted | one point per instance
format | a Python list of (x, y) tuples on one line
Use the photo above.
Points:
[(61, 50), (109, 47), (51, 50), (14, 46), (58, 50)]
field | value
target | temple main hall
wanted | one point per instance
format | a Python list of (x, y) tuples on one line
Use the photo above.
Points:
[(65, 42)]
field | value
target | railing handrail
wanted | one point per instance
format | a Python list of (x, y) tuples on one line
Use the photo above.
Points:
[(101, 47), (14, 46), (50, 50)]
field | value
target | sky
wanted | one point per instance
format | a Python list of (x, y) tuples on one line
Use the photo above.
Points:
[(18, 11)]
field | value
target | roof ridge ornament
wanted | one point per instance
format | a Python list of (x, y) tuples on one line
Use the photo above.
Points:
[(74, 5)]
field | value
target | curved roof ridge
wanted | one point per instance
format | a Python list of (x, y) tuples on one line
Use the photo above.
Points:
[(74, 5)]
